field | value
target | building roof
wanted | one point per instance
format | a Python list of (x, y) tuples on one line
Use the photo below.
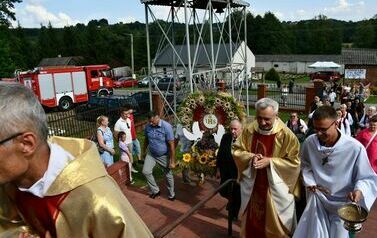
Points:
[(357, 56), (60, 61), (297, 58), (165, 58), (198, 4)]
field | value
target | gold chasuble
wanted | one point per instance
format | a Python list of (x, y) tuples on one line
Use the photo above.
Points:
[(83, 201), (267, 194)]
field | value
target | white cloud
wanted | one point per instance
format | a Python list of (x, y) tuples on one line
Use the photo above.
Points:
[(345, 6), (301, 13), (354, 10), (34, 14), (164, 13)]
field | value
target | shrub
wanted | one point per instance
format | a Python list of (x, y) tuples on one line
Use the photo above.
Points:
[(272, 75)]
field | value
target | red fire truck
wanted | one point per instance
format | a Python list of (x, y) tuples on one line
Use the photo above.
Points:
[(65, 86)]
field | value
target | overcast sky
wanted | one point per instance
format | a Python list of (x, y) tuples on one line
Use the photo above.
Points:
[(33, 13)]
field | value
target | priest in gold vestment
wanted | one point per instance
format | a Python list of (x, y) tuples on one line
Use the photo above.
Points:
[(267, 158), (56, 188)]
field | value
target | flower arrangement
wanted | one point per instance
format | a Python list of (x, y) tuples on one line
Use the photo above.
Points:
[(202, 157), (221, 103)]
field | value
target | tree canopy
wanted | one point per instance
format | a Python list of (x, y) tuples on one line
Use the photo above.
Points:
[(99, 42), (6, 11)]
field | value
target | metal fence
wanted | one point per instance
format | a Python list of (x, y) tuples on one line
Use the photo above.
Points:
[(81, 121), (288, 98), (251, 94)]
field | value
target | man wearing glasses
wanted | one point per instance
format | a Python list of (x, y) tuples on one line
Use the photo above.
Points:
[(59, 187), (335, 170)]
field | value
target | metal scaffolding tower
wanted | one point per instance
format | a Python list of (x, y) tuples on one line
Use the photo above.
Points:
[(206, 52)]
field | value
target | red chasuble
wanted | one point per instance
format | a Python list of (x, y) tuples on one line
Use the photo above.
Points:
[(256, 208), (40, 213)]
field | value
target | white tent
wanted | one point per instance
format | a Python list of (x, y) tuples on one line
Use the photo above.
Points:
[(324, 64)]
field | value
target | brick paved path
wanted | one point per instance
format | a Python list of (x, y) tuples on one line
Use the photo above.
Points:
[(210, 221)]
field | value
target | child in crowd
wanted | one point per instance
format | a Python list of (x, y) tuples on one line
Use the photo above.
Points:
[(125, 154)]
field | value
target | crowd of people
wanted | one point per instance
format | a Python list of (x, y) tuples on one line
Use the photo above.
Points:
[(322, 164), (331, 167)]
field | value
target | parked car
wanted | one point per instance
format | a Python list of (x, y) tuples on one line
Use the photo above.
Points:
[(166, 83), (145, 81), (109, 106), (125, 82), (142, 99), (326, 75)]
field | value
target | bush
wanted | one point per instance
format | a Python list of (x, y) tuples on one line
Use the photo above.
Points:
[(272, 75)]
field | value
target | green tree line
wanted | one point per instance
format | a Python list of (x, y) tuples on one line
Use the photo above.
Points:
[(102, 43)]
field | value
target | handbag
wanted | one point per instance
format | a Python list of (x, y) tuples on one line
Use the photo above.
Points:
[(95, 140)]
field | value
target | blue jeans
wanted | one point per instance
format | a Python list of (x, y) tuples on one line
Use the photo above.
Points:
[(136, 150)]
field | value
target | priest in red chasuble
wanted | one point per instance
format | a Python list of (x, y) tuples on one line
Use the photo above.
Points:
[(57, 187), (267, 158)]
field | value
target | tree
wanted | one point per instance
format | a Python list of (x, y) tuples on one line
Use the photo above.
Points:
[(365, 35), (7, 65), (274, 35), (69, 42), (6, 11), (23, 51), (272, 75)]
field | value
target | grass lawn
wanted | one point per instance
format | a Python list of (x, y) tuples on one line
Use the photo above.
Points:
[(136, 88), (139, 178), (372, 100), (251, 92)]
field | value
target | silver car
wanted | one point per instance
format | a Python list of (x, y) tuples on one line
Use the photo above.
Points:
[(145, 81)]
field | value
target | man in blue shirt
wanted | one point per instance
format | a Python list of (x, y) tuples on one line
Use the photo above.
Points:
[(159, 148)]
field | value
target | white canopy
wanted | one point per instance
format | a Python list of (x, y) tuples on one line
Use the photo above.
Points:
[(324, 64)]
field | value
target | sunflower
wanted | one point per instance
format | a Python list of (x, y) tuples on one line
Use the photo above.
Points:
[(192, 105), (192, 101), (227, 105), (201, 100), (186, 158), (231, 115), (185, 118), (203, 158)]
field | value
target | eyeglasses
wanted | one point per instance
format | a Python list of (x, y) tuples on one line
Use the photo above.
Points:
[(324, 130), (11, 138)]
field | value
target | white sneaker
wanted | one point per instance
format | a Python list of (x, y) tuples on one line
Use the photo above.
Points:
[(134, 170)]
